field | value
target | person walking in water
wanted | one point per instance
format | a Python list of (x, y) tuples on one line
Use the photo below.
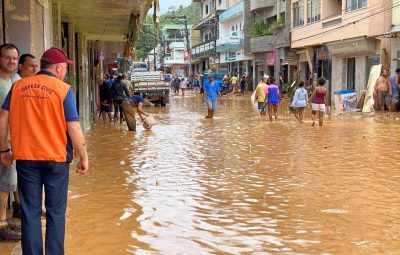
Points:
[(183, 86), (211, 91), (300, 100), (260, 95), (318, 101), (272, 98), (128, 106)]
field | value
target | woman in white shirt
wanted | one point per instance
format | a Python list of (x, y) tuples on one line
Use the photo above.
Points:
[(300, 101)]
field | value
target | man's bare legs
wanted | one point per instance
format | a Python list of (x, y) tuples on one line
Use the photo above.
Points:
[(3, 209)]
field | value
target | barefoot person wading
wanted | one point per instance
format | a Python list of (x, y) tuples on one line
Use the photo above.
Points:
[(318, 101)]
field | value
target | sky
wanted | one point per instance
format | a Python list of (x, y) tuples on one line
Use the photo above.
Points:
[(165, 4)]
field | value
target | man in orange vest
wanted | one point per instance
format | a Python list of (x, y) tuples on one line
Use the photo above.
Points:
[(44, 125)]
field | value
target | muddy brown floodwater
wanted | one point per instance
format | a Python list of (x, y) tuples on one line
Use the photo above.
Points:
[(238, 185)]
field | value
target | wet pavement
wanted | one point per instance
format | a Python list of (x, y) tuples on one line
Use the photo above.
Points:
[(237, 185)]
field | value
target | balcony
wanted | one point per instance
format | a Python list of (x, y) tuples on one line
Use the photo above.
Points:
[(266, 43), (232, 12), (259, 4), (204, 49)]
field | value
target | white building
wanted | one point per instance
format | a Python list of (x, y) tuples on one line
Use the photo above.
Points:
[(230, 43), (177, 58)]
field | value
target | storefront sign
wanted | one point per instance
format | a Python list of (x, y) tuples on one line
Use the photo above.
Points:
[(232, 56), (352, 47), (234, 37), (270, 58)]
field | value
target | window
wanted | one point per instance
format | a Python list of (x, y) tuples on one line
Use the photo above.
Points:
[(233, 28), (313, 10), (219, 2), (352, 5), (351, 73), (298, 13), (206, 9)]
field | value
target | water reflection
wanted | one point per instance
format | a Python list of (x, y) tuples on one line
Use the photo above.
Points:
[(238, 185)]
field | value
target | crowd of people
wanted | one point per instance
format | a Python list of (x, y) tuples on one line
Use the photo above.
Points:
[(117, 95), (267, 95)]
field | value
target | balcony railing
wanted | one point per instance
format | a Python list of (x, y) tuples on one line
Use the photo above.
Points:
[(231, 12), (204, 49), (259, 4), (270, 42)]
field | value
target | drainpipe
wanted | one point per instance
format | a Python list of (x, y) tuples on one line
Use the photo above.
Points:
[(3, 14)]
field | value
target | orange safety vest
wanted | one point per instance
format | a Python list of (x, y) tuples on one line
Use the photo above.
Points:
[(38, 128)]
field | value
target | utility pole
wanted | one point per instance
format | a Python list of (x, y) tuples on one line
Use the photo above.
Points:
[(154, 56), (187, 42)]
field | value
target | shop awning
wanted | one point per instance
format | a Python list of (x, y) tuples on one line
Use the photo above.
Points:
[(394, 32)]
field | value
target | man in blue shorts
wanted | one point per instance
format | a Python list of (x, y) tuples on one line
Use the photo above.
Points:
[(211, 91)]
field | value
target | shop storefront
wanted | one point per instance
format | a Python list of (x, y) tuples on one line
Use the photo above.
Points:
[(351, 62)]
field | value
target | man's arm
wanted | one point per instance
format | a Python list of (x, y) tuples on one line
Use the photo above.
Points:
[(390, 87), (76, 135), (376, 86), (6, 158), (140, 110), (396, 80)]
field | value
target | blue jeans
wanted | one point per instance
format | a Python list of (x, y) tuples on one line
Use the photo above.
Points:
[(32, 176), (117, 108)]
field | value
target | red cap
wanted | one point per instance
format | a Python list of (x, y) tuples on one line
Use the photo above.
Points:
[(54, 56)]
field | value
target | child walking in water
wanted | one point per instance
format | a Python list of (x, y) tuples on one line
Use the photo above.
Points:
[(300, 100), (272, 98), (318, 101)]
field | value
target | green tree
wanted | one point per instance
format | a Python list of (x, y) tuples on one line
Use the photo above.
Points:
[(148, 38)]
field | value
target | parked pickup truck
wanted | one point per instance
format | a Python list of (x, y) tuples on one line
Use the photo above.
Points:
[(151, 84)]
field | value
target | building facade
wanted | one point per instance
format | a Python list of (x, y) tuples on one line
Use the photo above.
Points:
[(176, 58), (335, 39), (204, 36), (267, 37), (230, 44)]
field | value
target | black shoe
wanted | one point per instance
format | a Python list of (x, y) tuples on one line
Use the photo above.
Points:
[(17, 213)]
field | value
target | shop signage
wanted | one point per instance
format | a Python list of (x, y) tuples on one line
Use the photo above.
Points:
[(270, 58), (231, 56), (234, 37), (211, 61), (352, 47)]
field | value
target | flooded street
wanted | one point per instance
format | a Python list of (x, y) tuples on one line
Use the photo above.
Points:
[(238, 185)]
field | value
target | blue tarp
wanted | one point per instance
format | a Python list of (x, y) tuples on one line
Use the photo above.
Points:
[(344, 91)]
